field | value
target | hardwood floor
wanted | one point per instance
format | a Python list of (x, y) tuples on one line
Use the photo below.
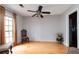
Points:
[(40, 48)]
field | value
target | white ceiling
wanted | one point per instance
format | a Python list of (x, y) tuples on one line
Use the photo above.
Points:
[(55, 9)]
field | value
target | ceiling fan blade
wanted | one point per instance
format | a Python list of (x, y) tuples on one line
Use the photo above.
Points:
[(41, 16), (31, 11), (40, 8), (46, 12), (34, 15)]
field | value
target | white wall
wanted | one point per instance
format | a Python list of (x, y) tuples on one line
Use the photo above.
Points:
[(64, 29), (42, 29), (19, 20)]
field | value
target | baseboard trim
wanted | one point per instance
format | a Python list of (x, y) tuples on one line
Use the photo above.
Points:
[(43, 41)]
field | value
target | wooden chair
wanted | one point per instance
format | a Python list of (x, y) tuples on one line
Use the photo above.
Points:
[(24, 37)]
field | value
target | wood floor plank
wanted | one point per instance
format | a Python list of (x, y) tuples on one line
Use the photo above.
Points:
[(40, 48)]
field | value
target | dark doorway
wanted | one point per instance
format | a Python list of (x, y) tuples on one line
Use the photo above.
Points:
[(73, 30)]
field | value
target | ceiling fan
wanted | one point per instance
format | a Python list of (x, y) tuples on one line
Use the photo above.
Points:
[(39, 12)]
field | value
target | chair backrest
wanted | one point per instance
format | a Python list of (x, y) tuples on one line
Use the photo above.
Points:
[(23, 32)]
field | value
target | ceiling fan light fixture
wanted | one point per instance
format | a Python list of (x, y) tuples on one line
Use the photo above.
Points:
[(21, 5)]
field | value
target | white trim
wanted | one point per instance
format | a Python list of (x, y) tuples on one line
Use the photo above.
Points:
[(76, 9), (67, 26)]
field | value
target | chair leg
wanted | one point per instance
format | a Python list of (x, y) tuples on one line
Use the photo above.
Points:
[(28, 39), (11, 49)]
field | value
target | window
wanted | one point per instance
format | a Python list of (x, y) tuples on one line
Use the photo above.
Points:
[(8, 29)]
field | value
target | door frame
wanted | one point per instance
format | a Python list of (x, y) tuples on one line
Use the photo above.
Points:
[(70, 31), (67, 26)]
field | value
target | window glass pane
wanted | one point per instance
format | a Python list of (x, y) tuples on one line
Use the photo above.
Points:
[(10, 39), (6, 22), (10, 22), (6, 18), (10, 28), (7, 39), (10, 18), (6, 34), (10, 34), (6, 28)]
